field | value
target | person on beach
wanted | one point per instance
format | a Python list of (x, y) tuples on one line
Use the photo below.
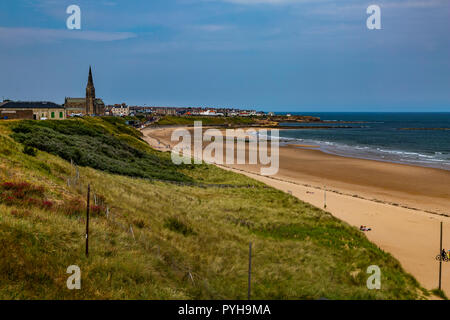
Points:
[(444, 254)]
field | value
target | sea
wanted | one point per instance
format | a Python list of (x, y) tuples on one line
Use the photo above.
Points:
[(410, 138)]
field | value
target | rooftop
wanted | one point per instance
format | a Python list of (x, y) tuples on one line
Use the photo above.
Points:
[(80, 100), (75, 100), (30, 105)]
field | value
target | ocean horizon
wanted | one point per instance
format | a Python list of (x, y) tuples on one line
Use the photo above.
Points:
[(416, 138)]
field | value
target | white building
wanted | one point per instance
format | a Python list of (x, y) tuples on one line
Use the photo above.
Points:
[(120, 111), (211, 113)]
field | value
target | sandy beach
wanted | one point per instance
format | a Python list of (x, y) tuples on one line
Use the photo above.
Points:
[(402, 204)]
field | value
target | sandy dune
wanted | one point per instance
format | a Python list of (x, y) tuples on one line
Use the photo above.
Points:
[(402, 204)]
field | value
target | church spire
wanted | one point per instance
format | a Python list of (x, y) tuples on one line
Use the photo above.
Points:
[(90, 81), (90, 95)]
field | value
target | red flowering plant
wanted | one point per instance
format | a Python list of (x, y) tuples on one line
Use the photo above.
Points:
[(97, 210), (23, 194)]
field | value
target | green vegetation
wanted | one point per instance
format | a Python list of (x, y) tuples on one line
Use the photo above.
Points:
[(211, 120), (234, 121), (176, 225), (29, 151), (187, 241), (91, 142), (138, 117), (439, 293)]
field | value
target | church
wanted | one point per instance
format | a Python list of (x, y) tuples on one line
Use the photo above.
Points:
[(85, 106)]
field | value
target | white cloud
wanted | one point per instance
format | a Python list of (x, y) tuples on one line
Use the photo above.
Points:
[(212, 27), (33, 35), (390, 3), (275, 2), (414, 4)]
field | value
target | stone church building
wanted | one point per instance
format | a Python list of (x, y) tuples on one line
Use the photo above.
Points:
[(85, 106)]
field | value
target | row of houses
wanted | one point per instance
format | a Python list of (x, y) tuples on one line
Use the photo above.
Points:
[(228, 113), (91, 105), (124, 110), (40, 110), (121, 110), (43, 110)]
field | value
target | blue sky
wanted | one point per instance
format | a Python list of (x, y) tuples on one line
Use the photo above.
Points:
[(272, 55)]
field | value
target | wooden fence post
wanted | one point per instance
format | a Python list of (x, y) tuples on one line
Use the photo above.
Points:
[(87, 220), (132, 233), (249, 269)]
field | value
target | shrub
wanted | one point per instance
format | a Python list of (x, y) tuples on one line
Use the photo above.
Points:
[(46, 204), (439, 293), (21, 213), (139, 223), (96, 210), (73, 207), (23, 194), (176, 225), (22, 188), (116, 150), (30, 151)]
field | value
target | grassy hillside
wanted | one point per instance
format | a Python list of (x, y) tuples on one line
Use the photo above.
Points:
[(188, 241), (107, 145)]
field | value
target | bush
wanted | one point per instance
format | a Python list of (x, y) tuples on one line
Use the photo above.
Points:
[(176, 225), (74, 207), (439, 293), (97, 210), (30, 151), (47, 205), (139, 223), (21, 213), (23, 194), (107, 145)]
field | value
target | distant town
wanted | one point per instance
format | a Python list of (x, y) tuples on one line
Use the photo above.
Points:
[(92, 106), (125, 110)]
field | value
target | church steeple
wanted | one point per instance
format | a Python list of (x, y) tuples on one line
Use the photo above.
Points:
[(90, 81), (90, 95)]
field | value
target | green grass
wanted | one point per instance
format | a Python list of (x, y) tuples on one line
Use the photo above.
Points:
[(107, 145), (179, 231), (439, 293), (175, 224), (211, 120)]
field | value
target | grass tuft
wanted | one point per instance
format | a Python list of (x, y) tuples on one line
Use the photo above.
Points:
[(175, 224), (439, 293)]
